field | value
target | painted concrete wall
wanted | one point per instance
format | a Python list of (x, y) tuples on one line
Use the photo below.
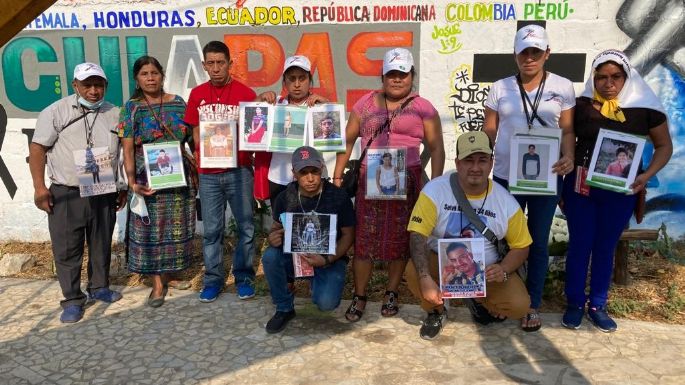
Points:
[(460, 47)]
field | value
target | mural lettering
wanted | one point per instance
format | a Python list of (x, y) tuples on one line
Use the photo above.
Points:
[(144, 19), (322, 14), (247, 16), (5, 175), (467, 100), (55, 20), (551, 10), (479, 12), (448, 38)]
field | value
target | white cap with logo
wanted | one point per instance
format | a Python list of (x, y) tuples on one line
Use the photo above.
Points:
[(297, 61), (532, 35), (398, 59), (85, 70)]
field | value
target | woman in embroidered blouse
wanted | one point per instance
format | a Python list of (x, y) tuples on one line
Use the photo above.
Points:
[(163, 243), (381, 232)]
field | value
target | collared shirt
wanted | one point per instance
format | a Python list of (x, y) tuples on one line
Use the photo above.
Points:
[(62, 140)]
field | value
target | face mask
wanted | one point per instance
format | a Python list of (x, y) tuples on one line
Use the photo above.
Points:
[(90, 105), (138, 207)]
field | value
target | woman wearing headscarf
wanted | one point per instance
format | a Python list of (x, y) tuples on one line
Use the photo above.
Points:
[(532, 98), (396, 117), (618, 99)]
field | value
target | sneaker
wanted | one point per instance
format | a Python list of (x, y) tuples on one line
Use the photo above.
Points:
[(105, 295), (245, 290), (209, 293), (573, 317), (432, 325), (71, 314), (600, 318), (279, 321), (479, 313)]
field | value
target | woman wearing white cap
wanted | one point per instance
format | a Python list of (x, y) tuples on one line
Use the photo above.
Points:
[(381, 232), (532, 98), (615, 98), (297, 81)]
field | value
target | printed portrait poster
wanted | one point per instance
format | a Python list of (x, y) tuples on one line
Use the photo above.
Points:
[(218, 144), (532, 155), (310, 233), (256, 120), (164, 165), (462, 267), (289, 129), (328, 127), (615, 160), (94, 171), (386, 176)]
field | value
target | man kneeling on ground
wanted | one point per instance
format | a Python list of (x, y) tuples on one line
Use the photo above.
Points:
[(438, 215), (308, 194)]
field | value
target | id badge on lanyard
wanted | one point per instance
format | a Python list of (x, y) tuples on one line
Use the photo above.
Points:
[(581, 187)]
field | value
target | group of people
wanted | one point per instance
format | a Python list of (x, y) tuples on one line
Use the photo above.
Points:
[(402, 233)]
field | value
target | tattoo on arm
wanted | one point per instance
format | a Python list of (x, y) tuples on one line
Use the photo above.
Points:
[(417, 247)]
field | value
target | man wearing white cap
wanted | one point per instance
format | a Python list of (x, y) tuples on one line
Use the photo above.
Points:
[(437, 214), (297, 81), (69, 127)]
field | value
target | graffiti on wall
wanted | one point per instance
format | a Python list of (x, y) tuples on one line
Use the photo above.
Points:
[(466, 100)]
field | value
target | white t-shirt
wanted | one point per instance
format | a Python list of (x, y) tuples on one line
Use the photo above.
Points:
[(505, 98), (437, 215), (387, 177)]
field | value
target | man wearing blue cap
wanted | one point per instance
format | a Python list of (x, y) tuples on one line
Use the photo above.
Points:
[(308, 194)]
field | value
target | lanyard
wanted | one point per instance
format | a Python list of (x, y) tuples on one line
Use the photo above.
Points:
[(161, 110), (536, 101), (213, 91), (89, 126)]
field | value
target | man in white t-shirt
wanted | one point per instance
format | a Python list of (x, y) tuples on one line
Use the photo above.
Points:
[(438, 215)]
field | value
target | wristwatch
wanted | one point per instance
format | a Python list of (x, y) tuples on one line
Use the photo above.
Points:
[(325, 258)]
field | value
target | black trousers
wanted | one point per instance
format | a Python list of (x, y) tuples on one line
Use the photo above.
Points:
[(73, 221)]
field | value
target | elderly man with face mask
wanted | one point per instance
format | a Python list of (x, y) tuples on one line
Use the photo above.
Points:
[(65, 131)]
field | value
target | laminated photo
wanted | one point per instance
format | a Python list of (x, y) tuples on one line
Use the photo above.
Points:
[(615, 161), (164, 165), (462, 267), (531, 159), (94, 171), (386, 176), (310, 233), (328, 127), (256, 120), (289, 129), (218, 148), (301, 267)]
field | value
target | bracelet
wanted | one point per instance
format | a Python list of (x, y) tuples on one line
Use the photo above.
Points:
[(506, 276)]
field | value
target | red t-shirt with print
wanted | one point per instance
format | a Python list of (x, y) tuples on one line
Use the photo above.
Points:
[(219, 100)]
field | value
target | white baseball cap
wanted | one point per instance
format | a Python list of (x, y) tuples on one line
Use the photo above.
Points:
[(297, 61), (85, 70), (398, 59), (532, 35)]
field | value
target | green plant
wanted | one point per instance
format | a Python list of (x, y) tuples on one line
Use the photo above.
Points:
[(622, 307), (674, 302)]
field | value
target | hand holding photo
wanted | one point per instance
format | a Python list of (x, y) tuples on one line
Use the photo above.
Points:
[(328, 123), (615, 161), (462, 267), (310, 233), (532, 157)]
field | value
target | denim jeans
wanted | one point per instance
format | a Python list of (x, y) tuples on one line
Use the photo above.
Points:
[(540, 214), (595, 224), (327, 283), (235, 187)]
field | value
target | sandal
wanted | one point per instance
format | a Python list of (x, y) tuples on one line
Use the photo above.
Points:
[(353, 313), (532, 316), (179, 284), (390, 308)]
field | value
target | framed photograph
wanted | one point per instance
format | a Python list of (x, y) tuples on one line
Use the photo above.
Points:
[(328, 127), (462, 267), (615, 160), (256, 120), (218, 147), (531, 159), (310, 233), (386, 176), (164, 165), (94, 171), (301, 267), (289, 129)]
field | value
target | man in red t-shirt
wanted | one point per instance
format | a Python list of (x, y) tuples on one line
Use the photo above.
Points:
[(218, 101)]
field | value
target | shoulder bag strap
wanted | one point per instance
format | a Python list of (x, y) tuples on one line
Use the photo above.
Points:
[(470, 213), (385, 125)]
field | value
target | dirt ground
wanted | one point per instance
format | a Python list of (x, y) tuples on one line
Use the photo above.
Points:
[(656, 292)]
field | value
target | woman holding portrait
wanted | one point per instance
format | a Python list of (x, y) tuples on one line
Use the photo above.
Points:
[(618, 99), (164, 243), (395, 117)]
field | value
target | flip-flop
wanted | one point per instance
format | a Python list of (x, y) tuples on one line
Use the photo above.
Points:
[(532, 315)]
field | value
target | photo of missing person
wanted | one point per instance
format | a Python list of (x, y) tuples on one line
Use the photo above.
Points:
[(255, 124), (327, 122), (533, 161), (288, 129), (386, 175), (217, 140), (164, 165), (326, 125), (615, 157), (462, 268), (310, 233), (94, 171)]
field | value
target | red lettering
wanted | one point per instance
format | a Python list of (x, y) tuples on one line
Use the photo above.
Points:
[(317, 47), (272, 58), (306, 15)]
